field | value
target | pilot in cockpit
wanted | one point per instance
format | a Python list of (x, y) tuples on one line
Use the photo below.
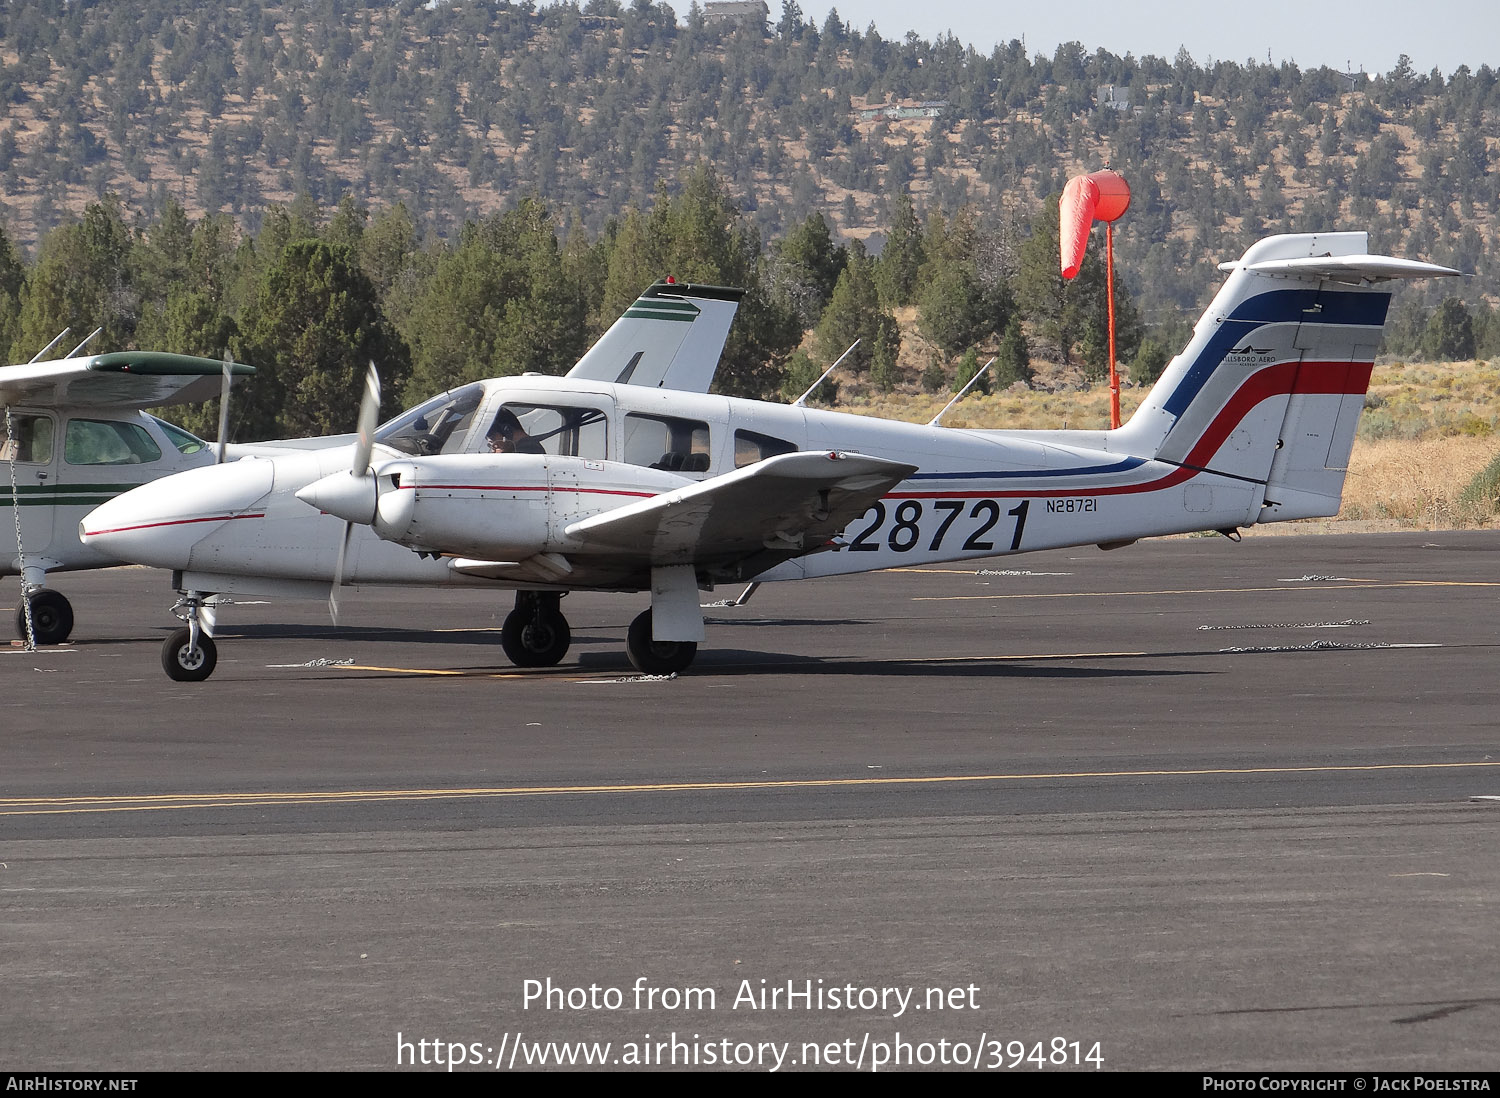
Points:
[(507, 436)]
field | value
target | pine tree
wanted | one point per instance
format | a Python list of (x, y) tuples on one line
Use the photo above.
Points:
[(312, 329), (902, 256), (82, 280)]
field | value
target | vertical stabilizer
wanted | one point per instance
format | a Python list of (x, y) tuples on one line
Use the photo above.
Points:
[(671, 338), (1270, 387)]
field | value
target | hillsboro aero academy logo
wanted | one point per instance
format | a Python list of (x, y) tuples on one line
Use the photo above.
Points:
[(1249, 356)]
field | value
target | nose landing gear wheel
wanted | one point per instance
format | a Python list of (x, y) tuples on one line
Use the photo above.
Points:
[(184, 663), (535, 639), (654, 657), (51, 617)]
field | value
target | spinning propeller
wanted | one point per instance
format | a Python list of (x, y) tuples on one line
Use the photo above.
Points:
[(350, 496)]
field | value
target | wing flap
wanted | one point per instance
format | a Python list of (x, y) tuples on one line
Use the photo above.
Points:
[(777, 509)]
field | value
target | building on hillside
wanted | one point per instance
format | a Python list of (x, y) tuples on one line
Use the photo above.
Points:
[(894, 112), (742, 13)]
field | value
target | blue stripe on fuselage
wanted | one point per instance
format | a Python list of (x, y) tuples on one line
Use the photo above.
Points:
[(1117, 467)]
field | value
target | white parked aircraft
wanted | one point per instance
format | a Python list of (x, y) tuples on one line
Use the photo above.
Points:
[(75, 435), (613, 486)]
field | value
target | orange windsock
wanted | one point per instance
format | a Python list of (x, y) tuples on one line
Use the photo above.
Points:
[(1098, 196)]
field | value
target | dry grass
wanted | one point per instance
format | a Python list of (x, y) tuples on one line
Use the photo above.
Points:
[(1418, 482)]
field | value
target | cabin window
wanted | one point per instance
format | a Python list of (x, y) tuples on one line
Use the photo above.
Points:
[(108, 442), (31, 442), (665, 442), (751, 446), (556, 429), (437, 427)]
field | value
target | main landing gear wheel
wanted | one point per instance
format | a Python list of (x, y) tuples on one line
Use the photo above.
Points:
[(654, 657), (51, 617), (535, 633), (185, 663)]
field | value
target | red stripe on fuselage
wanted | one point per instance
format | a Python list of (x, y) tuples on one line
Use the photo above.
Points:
[(1282, 379), (171, 522), (528, 488)]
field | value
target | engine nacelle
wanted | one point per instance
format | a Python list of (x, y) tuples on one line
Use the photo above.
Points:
[(505, 507)]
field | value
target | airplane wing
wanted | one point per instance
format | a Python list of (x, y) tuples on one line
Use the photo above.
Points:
[(751, 519), (671, 338), (122, 379)]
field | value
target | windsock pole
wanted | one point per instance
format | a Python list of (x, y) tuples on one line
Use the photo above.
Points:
[(1098, 196), (1109, 279)]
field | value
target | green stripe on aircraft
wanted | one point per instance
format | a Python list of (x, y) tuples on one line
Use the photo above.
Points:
[(661, 310)]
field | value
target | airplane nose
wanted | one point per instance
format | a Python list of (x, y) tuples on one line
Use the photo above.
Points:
[(159, 523)]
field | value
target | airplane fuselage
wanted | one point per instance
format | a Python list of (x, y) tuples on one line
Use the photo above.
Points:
[(976, 494)]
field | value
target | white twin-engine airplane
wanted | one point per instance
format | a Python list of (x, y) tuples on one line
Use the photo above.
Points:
[(74, 434), (618, 487)]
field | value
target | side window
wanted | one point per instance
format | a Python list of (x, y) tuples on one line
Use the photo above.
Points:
[(31, 442), (564, 431), (107, 442), (751, 446), (664, 442)]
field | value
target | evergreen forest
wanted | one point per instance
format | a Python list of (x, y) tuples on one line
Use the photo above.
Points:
[(467, 189)]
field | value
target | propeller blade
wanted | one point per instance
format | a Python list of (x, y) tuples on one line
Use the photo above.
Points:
[(224, 407), (338, 574), (369, 409)]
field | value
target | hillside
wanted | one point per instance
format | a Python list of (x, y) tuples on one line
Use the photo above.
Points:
[(459, 110)]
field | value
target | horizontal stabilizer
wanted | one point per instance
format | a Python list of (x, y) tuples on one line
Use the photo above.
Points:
[(772, 511), (1346, 268)]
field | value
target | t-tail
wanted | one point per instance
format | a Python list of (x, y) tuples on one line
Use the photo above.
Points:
[(1270, 388), (671, 338)]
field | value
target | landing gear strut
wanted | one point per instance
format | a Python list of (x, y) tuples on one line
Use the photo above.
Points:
[(189, 654), (535, 633), (51, 617), (654, 657)]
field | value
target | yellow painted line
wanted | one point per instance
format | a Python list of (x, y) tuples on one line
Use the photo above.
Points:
[(578, 675), (1004, 658), (391, 670), (1358, 585), (42, 806), (531, 673)]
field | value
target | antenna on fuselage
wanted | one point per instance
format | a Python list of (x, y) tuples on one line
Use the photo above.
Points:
[(801, 401), (979, 373), (58, 338), (89, 339)]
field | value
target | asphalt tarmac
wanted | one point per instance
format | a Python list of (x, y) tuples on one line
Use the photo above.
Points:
[(1189, 805)]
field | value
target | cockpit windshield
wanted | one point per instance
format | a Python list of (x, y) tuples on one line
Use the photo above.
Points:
[(435, 427)]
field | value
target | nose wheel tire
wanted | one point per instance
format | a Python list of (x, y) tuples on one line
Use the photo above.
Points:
[(184, 663), (654, 657), (533, 639), (51, 617)]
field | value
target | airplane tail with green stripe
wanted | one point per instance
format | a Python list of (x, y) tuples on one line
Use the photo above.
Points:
[(671, 338)]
